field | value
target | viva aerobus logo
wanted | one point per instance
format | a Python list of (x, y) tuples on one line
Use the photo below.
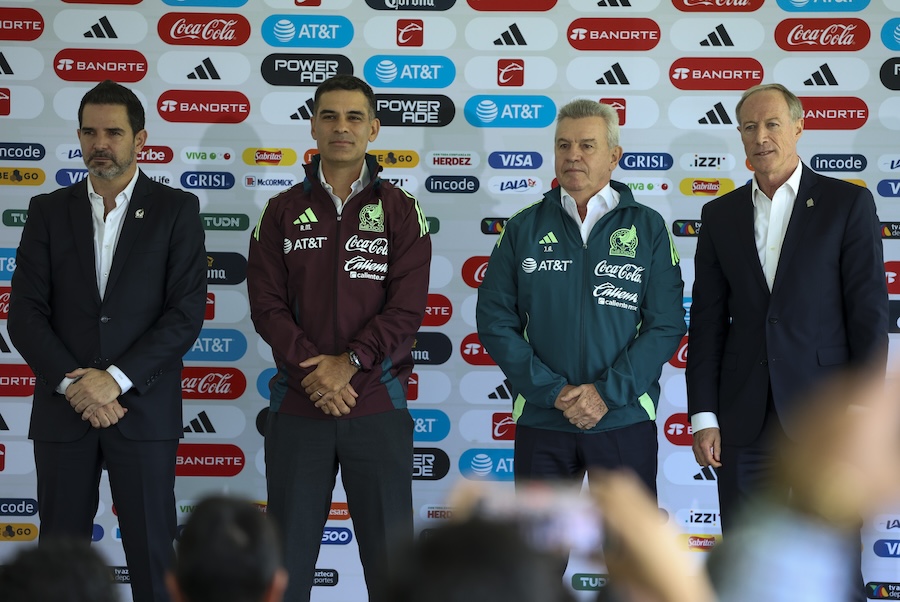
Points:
[(509, 111)]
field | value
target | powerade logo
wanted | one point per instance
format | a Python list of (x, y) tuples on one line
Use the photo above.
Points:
[(21, 151), (337, 536), (218, 345), (319, 31), (889, 188), (414, 110), (822, 6), (487, 464), (207, 180), (890, 34), (430, 425), (485, 111), (887, 548), (515, 160), (67, 177), (395, 71), (647, 161)]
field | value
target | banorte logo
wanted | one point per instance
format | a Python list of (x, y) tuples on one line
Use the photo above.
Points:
[(203, 106), (822, 35), (20, 24), (474, 269), (679, 359), (473, 352), (203, 29), (209, 460), (96, 65), (891, 276), (717, 6), (678, 429), (212, 383), (714, 73), (834, 112), (16, 380), (607, 33)]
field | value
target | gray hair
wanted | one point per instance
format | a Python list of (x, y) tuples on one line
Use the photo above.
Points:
[(795, 107), (582, 107)]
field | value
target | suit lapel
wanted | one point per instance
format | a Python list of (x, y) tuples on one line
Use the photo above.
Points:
[(82, 228), (801, 215), (746, 238), (131, 229)]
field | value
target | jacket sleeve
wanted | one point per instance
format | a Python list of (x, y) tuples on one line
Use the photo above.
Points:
[(267, 288), (406, 284), (639, 365), (501, 328)]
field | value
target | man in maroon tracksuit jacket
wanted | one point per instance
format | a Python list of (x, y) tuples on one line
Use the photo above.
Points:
[(338, 281)]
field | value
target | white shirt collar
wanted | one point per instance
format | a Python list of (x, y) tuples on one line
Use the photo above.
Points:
[(792, 182), (127, 191)]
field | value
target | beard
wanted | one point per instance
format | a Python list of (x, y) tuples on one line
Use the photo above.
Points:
[(116, 167)]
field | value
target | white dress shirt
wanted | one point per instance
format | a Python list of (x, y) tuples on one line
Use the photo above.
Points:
[(361, 182), (597, 206)]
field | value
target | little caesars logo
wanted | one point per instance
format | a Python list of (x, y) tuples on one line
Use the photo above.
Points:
[(608, 293), (360, 266)]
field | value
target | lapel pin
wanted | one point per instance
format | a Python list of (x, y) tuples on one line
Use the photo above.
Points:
[(139, 214), (810, 202)]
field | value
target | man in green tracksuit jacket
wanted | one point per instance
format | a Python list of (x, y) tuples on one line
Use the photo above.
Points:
[(580, 307)]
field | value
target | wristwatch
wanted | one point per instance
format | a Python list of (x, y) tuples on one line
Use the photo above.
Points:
[(354, 360)]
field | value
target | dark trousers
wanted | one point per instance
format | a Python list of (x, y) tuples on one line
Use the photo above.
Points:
[(375, 455), (142, 481)]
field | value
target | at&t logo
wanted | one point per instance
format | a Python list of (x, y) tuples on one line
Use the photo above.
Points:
[(510, 111), (487, 464)]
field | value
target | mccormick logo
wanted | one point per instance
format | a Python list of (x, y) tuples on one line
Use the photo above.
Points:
[(303, 69), (678, 429), (510, 111), (203, 106), (611, 34), (515, 160), (20, 24), (155, 154), (203, 29), (428, 110), (438, 311), (208, 460), (395, 71), (94, 65), (714, 73), (474, 269), (410, 32), (315, 31), (845, 35), (503, 427), (679, 359), (212, 383), (719, 6), (646, 161), (474, 352), (16, 380), (834, 112)]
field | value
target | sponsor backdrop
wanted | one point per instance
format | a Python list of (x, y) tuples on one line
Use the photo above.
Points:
[(467, 93)]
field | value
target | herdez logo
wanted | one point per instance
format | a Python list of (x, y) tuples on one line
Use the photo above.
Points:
[(20, 24), (209, 460), (453, 159), (21, 151), (714, 73), (411, 4), (203, 29), (283, 69), (430, 464), (95, 65), (834, 112), (203, 106), (808, 35), (416, 110), (686, 227), (212, 383), (207, 180), (496, 111), (396, 71), (612, 34), (225, 268), (721, 6), (431, 348), (438, 310), (21, 176), (313, 31)]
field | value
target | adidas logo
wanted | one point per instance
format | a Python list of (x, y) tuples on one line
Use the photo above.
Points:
[(4, 346), (823, 77), (706, 474), (5, 68), (614, 76), (205, 70), (200, 424), (716, 116), (304, 112), (3, 425), (549, 239), (502, 391), (101, 29), (511, 37), (307, 217), (718, 37), (614, 3)]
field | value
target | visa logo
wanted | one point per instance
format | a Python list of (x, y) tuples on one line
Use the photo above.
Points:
[(887, 548), (515, 160), (889, 188), (67, 177)]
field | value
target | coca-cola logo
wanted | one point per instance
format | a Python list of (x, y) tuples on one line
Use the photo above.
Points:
[(846, 35), (717, 6), (203, 29), (474, 269), (4, 302), (679, 360), (377, 246), (212, 383)]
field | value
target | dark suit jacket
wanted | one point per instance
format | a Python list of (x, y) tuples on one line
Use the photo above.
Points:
[(828, 307), (151, 314)]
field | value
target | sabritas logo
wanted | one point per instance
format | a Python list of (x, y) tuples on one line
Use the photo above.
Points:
[(16, 380), (510, 72), (503, 427), (410, 32), (203, 106), (706, 186), (845, 35), (512, 5), (474, 269), (269, 156), (203, 29), (678, 429), (700, 543), (438, 310), (679, 359), (717, 6), (713, 73), (95, 65), (834, 112), (891, 275), (20, 24), (208, 460), (155, 154), (613, 34), (474, 352), (212, 383), (4, 302)]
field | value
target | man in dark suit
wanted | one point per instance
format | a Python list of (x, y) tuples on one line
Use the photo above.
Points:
[(789, 289), (108, 295)]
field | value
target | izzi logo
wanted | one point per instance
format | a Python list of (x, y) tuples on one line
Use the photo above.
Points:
[(312, 31), (402, 71), (303, 69), (515, 160), (647, 161), (414, 110), (498, 111)]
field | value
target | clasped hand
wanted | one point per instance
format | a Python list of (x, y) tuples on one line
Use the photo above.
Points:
[(94, 395), (328, 385)]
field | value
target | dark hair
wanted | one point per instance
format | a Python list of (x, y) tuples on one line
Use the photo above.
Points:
[(109, 92), (345, 82), (228, 552), (59, 570)]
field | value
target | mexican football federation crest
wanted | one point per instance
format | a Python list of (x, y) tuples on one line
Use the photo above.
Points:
[(371, 218), (624, 242)]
